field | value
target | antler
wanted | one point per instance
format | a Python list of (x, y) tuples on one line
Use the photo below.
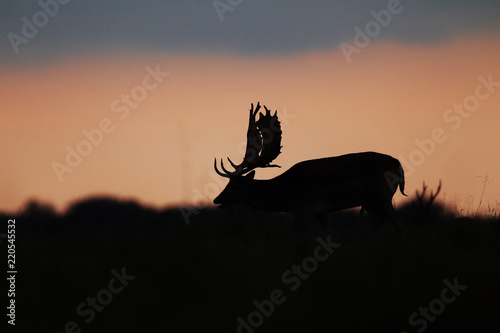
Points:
[(263, 144)]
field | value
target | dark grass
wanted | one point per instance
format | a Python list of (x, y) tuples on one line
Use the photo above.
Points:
[(199, 277)]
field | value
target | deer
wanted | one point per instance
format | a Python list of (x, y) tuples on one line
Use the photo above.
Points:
[(311, 187)]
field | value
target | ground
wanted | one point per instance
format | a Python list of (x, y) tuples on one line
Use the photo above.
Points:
[(111, 266)]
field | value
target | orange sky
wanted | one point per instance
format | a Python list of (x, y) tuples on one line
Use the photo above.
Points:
[(162, 152)]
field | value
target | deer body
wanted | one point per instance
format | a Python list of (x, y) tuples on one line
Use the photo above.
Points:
[(317, 186)]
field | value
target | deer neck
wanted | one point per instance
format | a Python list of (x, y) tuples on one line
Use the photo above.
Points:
[(266, 195)]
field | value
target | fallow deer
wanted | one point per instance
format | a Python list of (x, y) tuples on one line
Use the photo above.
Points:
[(366, 179)]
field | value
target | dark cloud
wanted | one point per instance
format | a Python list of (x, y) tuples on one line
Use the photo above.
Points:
[(252, 27)]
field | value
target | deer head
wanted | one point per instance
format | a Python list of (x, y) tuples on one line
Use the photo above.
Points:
[(263, 146)]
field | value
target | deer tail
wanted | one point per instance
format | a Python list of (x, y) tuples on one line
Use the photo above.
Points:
[(401, 182)]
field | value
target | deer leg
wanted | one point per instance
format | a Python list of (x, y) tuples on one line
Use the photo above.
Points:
[(381, 209), (392, 216), (303, 223), (324, 222), (299, 221), (375, 213), (302, 233)]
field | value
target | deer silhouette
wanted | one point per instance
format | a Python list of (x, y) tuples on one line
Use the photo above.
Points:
[(312, 187)]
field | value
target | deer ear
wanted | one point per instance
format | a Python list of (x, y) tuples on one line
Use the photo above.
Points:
[(250, 175)]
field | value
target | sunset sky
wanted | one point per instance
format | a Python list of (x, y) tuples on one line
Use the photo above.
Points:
[(163, 87)]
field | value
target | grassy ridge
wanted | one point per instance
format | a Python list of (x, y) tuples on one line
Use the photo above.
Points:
[(203, 275)]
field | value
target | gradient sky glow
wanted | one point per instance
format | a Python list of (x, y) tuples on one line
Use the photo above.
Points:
[(390, 97)]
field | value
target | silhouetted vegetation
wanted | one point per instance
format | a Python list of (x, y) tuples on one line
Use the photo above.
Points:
[(201, 276)]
